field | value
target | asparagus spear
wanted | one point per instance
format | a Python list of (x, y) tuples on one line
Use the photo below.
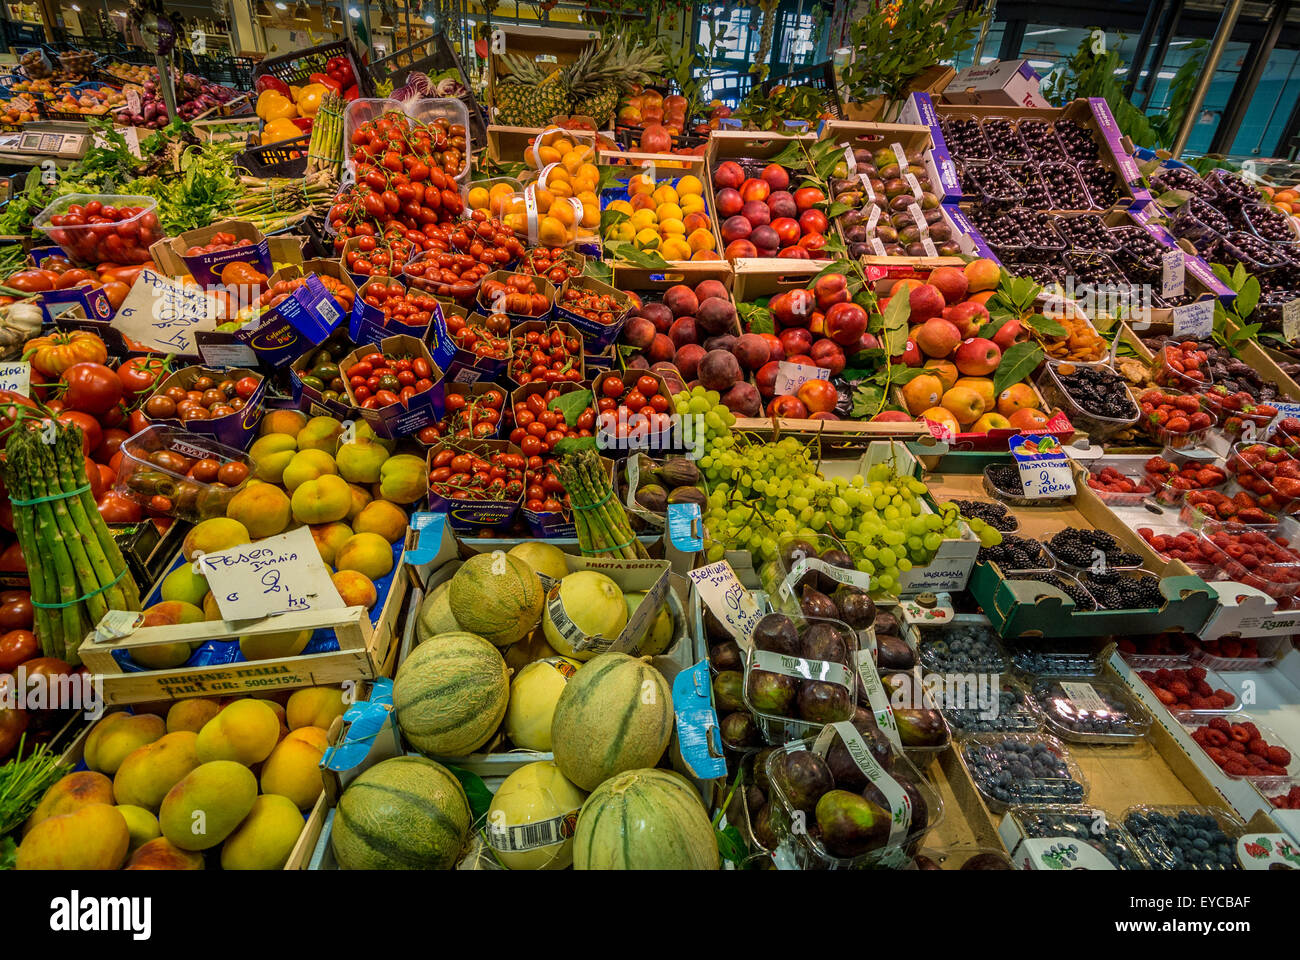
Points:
[(42, 590), (72, 475), (65, 578)]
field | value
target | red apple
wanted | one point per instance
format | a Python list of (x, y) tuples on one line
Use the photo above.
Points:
[(925, 302), (977, 357), (1011, 332), (938, 337), (868, 342), (967, 317), (912, 355), (846, 323), (806, 198)]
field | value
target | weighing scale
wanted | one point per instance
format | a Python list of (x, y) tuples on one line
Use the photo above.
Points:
[(62, 141)]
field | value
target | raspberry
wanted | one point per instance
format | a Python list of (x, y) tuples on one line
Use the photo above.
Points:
[(1216, 754), (1203, 688), (1273, 770), (1236, 746), (1236, 769), (1179, 689), (1217, 738), (1279, 756), (1220, 723), (1258, 747), (1214, 702), (1251, 729), (1240, 733), (1164, 696), (1198, 703), (1197, 673), (1226, 696)]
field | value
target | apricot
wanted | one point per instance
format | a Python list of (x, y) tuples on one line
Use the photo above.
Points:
[(262, 508), (356, 589), (116, 736), (329, 537)]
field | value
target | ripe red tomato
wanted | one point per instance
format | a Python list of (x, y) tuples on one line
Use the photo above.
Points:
[(15, 610), (12, 722), (115, 508), (247, 386), (139, 374), (17, 646), (91, 388)]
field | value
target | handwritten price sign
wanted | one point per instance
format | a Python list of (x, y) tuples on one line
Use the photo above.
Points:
[(723, 593), (791, 376), (280, 574)]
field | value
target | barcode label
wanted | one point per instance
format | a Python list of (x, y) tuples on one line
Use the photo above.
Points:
[(329, 313), (515, 838)]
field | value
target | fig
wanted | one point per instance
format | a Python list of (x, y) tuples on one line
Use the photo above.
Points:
[(652, 497), (679, 472), (761, 822), (794, 550), (803, 777), (772, 692), (728, 687), (776, 632), (715, 629), (821, 641), (689, 495), (921, 728), (920, 812), (885, 622), (854, 607), (822, 702), (740, 730), (754, 797), (987, 861), (925, 863), (846, 772), (726, 656), (760, 769), (814, 603), (851, 825), (893, 653)]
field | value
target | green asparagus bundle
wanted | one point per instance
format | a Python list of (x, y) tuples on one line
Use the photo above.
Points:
[(325, 151), (602, 525), (276, 203), (76, 570)]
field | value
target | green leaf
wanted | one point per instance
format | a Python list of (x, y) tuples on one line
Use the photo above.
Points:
[(1222, 272), (1238, 276), (575, 445), (476, 791), (901, 375), (835, 266), (598, 270), (755, 318), (837, 209), (1018, 362), (791, 156), (640, 258), (867, 399), (864, 364), (990, 328), (571, 404), (895, 317), (1173, 198), (1044, 325), (1247, 298), (731, 845)]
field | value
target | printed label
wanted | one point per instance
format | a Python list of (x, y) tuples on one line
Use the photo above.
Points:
[(515, 838), (900, 804), (1045, 471), (1291, 320), (878, 698), (823, 671), (1084, 697), (791, 376)]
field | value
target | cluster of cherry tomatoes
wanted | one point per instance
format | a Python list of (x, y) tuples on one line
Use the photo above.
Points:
[(378, 380), (397, 303), (554, 263), (624, 408), (340, 291), (487, 338), (220, 241), (602, 308), (95, 233), (553, 355), (205, 489), (518, 294), (538, 427), (209, 396), (471, 413), (405, 173), (461, 475)]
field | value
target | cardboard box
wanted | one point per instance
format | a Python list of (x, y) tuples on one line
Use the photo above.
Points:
[(469, 516), (235, 429), (541, 284), (283, 248), (399, 419), (911, 137), (206, 267), (1009, 83), (594, 334), (304, 318)]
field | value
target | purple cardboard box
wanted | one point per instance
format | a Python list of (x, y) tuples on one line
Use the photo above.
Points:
[(367, 323), (235, 429), (399, 419), (596, 336), (919, 108), (206, 267), (92, 301), (965, 234), (1128, 169), (304, 318), (462, 366), (468, 515)]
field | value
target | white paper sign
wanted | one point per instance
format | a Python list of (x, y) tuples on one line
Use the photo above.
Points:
[(791, 376), (16, 376), (731, 603), (282, 574), (1044, 474), (133, 102), (1194, 321), (1291, 320), (164, 314), (1173, 273)]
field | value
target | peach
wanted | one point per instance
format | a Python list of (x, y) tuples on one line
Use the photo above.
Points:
[(982, 274), (938, 338), (945, 370), (262, 508), (754, 190), (757, 213), (161, 854), (658, 314), (964, 404), (282, 421), (360, 497), (736, 228), (167, 612), (977, 356), (719, 370), (70, 793), (1018, 396), (1028, 418), (326, 499), (367, 553), (213, 535), (681, 300), (716, 315), (891, 416), (356, 589), (743, 400), (384, 518), (661, 350), (711, 288), (922, 392), (781, 204), (740, 249)]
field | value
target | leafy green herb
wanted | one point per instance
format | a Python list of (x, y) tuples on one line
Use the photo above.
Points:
[(571, 404)]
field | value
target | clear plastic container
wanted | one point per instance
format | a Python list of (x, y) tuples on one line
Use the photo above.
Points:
[(799, 563), (1192, 722), (1016, 712), (140, 475), (1041, 273), (1266, 649), (1273, 226), (957, 856), (1129, 471), (963, 647), (917, 710), (1029, 177), (1175, 440), (1056, 393), (1193, 516), (83, 243), (1002, 495), (1182, 670), (1094, 269), (1087, 232), (1063, 581), (1278, 791), (1003, 139), (1060, 657), (1279, 578), (1229, 184), (1042, 559), (808, 848), (992, 183), (1157, 830), (1071, 194), (1095, 582), (1115, 554), (1182, 178), (1166, 376), (997, 765), (1259, 476), (1039, 137), (777, 727), (1165, 492), (1047, 244), (1091, 710), (424, 111), (965, 138), (1084, 825)]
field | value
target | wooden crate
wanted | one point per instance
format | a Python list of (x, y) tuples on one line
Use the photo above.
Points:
[(364, 651), (542, 45)]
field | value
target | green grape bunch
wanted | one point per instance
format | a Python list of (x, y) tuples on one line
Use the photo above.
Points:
[(760, 493)]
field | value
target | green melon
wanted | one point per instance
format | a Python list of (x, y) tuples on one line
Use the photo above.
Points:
[(615, 714), (450, 694), (435, 614), (407, 813), (496, 596), (644, 820)]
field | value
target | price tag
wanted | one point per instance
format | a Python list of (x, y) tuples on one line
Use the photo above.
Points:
[(850, 161), (731, 603), (866, 185), (1045, 470), (791, 376), (1173, 273), (1085, 697), (16, 376), (281, 574), (1194, 321), (1291, 320), (164, 314), (133, 102), (697, 729), (873, 218)]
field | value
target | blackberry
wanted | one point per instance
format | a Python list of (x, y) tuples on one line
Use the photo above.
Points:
[(1015, 553), (1185, 840), (995, 515), (1077, 548), (1005, 478), (1082, 601), (1098, 390), (1124, 591), (1085, 826)]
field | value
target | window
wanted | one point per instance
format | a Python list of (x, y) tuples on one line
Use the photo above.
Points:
[(1216, 98), (797, 47), (1270, 107)]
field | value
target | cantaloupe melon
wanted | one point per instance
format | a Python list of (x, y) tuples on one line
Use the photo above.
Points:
[(407, 813), (496, 596), (545, 558), (615, 714), (533, 805), (644, 820), (533, 694), (450, 694), (583, 604), (435, 614)]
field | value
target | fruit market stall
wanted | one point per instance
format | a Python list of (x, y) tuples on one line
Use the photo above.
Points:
[(637, 486)]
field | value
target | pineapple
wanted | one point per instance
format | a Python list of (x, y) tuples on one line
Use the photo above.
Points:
[(529, 97)]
